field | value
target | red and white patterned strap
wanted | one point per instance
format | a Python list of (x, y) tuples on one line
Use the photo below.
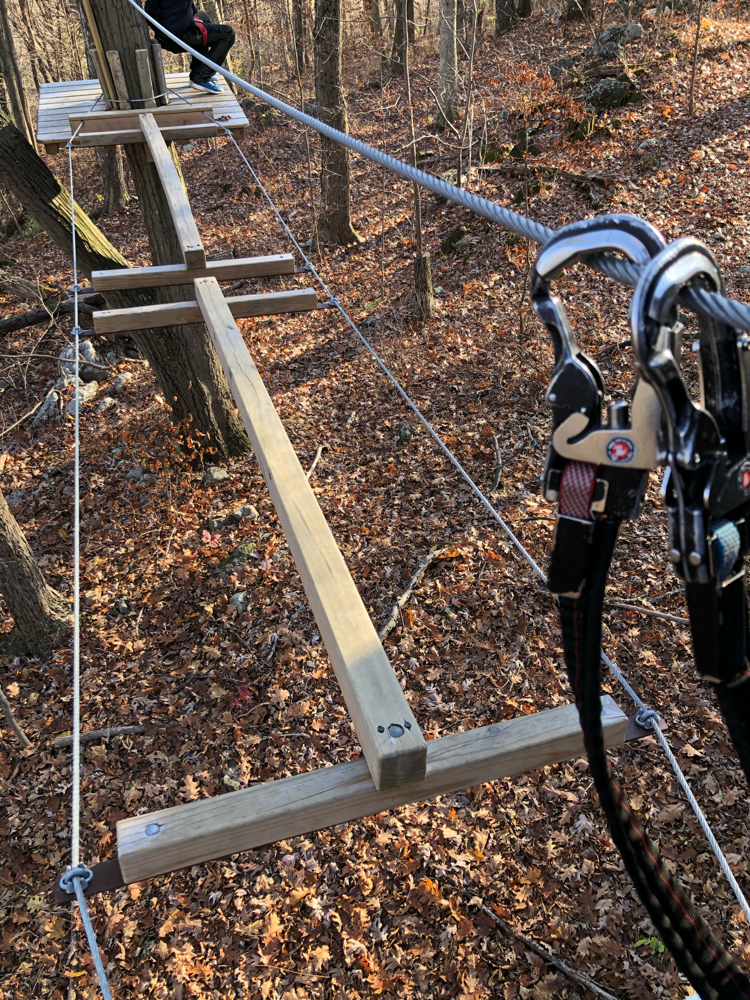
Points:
[(577, 490)]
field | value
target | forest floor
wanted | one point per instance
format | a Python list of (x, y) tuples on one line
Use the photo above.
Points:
[(392, 905)]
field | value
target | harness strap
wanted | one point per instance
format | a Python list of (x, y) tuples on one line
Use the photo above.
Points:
[(711, 970), (202, 28)]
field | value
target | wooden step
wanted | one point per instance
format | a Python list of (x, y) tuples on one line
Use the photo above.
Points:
[(179, 313), (170, 839), (392, 743), (179, 274), (187, 232)]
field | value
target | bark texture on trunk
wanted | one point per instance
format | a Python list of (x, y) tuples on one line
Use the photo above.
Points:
[(447, 95), (399, 35), (194, 376), (14, 88), (505, 14), (335, 225), (39, 611), (298, 21), (424, 297)]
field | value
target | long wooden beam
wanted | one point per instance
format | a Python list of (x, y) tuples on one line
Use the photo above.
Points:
[(117, 121), (178, 133), (187, 232), (179, 274), (392, 743), (184, 835), (179, 313)]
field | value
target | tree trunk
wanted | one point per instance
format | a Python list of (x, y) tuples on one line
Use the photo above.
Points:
[(335, 217), (39, 611), (115, 196), (12, 76), (191, 379), (412, 30), (193, 376), (447, 111), (505, 14), (298, 21), (397, 52)]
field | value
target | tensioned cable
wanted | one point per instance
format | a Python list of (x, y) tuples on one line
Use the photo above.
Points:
[(78, 875), (729, 311), (646, 717)]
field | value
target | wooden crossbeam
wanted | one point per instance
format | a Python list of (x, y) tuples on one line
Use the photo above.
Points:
[(122, 120), (179, 274), (187, 232), (189, 834), (126, 137), (179, 313), (392, 743)]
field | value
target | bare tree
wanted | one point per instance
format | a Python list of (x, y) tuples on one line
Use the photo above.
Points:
[(335, 218), (505, 15), (447, 95), (40, 613), (19, 106)]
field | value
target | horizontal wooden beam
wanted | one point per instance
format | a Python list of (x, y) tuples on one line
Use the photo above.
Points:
[(187, 232), (119, 121), (179, 313), (392, 743), (178, 274), (184, 835)]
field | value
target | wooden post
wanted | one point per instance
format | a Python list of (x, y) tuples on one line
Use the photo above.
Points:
[(94, 56), (123, 99), (392, 743), (160, 77), (105, 77), (143, 58)]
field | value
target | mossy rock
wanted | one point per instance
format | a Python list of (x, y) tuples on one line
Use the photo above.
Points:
[(609, 93), (241, 555)]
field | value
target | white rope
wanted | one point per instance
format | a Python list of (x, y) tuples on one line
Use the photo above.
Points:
[(78, 876), (646, 717)]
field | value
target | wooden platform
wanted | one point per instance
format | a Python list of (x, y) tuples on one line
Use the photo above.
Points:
[(58, 101)]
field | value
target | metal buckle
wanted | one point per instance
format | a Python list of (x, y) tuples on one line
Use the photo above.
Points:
[(706, 444), (576, 389)]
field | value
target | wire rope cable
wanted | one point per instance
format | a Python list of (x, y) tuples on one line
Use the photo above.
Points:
[(726, 310), (78, 876), (650, 718)]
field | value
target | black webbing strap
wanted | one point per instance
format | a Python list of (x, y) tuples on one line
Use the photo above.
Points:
[(713, 973), (719, 626)]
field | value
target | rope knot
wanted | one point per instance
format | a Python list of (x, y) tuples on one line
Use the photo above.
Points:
[(648, 718), (72, 875)]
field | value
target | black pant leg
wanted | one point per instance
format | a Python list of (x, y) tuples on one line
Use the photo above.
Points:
[(220, 41)]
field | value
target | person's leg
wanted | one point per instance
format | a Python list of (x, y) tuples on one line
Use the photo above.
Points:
[(220, 41), (193, 37)]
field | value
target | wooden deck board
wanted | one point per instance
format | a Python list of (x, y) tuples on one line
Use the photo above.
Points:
[(58, 101)]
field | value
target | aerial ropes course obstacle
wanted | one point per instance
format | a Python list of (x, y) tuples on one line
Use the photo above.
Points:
[(596, 471)]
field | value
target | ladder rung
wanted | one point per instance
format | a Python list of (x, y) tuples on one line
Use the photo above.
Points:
[(179, 274), (180, 313)]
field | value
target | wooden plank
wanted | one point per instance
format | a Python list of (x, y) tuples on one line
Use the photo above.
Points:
[(115, 66), (277, 810), (187, 232), (115, 121), (178, 134), (105, 77), (179, 313), (159, 76), (143, 61), (94, 56), (392, 743), (51, 148), (178, 274)]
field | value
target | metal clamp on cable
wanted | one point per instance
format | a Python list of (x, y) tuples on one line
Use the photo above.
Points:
[(80, 874), (706, 448), (594, 466)]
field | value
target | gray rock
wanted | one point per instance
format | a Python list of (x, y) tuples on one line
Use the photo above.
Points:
[(405, 434), (188, 147), (5, 383), (214, 523), (136, 474), (118, 451), (49, 410), (123, 606), (246, 511), (240, 555), (111, 357), (456, 239), (16, 498), (649, 147), (609, 93), (91, 364), (121, 381), (634, 32), (85, 394), (214, 475), (106, 404), (239, 600), (562, 66)]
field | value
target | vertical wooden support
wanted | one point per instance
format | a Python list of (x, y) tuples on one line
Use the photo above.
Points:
[(392, 744), (160, 77), (105, 77), (143, 59), (123, 100), (94, 56), (187, 232)]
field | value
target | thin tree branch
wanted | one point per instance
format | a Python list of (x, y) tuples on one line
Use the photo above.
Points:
[(11, 720), (432, 557)]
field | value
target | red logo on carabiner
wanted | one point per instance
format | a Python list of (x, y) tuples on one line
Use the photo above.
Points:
[(743, 477), (621, 450)]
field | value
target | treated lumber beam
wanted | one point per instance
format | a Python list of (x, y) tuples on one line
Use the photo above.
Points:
[(115, 66), (187, 232), (178, 274), (178, 133), (277, 810), (121, 120), (391, 740), (143, 61), (179, 313)]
